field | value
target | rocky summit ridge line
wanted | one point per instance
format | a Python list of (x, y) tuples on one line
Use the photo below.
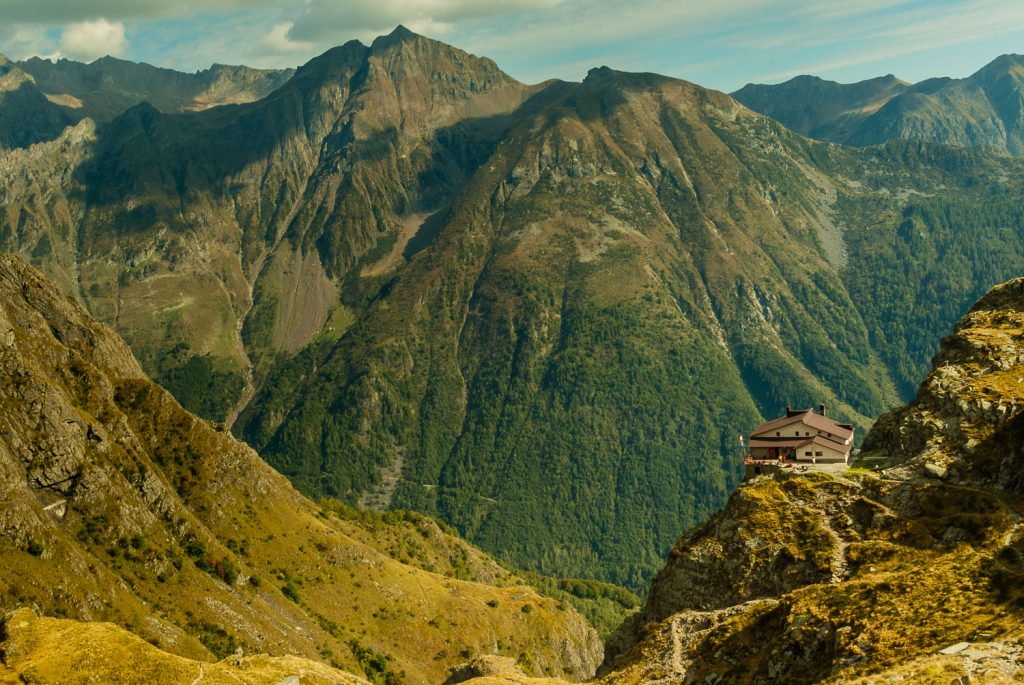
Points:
[(541, 313)]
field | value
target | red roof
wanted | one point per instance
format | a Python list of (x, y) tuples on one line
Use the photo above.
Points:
[(811, 419)]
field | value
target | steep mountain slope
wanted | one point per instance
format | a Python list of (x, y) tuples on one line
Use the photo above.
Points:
[(908, 572), (822, 578), (640, 253), (986, 108), (121, 506), (185, 223), (105, 88), (821, 109), (430, 286)]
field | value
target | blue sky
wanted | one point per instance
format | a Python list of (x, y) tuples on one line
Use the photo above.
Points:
[(717, 43)]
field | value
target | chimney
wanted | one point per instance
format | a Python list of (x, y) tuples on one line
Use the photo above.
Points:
[(821, 409), (789, 412)]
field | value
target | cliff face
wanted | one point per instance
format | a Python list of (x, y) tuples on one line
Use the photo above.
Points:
[(821, 578), (121, 506)]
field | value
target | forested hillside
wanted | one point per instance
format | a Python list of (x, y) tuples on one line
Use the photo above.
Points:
[(541, 313)]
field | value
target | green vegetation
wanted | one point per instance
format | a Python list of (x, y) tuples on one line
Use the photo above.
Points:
[(217, 639), (203, 384), (376, 665), (604, 605), (947, 268), (565, 384), (617, 279)]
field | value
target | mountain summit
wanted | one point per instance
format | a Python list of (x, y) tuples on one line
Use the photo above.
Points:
[(540, 313)]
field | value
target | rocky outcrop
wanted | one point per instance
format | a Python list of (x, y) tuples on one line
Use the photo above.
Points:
[(965, 423), (832, 578)]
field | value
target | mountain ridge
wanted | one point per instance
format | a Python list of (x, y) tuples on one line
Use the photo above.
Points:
[(981, 109), (412, 281)]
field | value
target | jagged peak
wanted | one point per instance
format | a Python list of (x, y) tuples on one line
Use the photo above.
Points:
[(399, 35), (600, 73)]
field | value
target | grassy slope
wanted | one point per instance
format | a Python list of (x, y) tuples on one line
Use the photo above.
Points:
[(48, 650), (183, 535)]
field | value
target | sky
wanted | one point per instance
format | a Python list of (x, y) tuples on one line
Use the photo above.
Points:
[(720, 44)]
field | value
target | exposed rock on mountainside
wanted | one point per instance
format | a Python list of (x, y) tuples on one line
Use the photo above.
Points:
[(986, 108), (820, 578), (421, 284), (963, 426), (121, 506)]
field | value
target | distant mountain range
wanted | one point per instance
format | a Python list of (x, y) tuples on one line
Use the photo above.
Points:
[(540, 313), (986, 108), (68, 91)]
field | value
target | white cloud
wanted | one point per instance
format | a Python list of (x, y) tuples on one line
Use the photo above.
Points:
[(88, 40), (277, 42), (21, 42)]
